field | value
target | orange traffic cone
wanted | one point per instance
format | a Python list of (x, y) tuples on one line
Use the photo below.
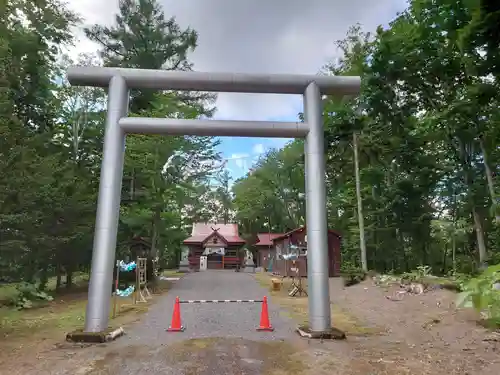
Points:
[(175, 325), (265, 324)]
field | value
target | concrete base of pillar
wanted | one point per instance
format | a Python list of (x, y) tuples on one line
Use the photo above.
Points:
[(332, 334), (95, 337)]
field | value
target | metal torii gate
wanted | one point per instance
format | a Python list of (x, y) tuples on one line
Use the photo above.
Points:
[(119, 81)]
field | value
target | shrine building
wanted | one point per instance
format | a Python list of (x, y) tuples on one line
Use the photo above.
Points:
[(219, 243)]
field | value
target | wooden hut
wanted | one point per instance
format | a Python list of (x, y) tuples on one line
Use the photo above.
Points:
[(265, 248), (296, 241)]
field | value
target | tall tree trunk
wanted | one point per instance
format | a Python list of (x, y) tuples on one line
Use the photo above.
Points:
[(481, 244), (361, 223), (454, 234), (445, 256), (156, 214), (469, 181), (489, 178), (154, 235), (29, 272), (58, 276), (69, 276), (453, 253), (44, 277), (376, 264)]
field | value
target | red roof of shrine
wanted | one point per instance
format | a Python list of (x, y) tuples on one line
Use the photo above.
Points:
[(266, 239), (201, 231), (301, 229)]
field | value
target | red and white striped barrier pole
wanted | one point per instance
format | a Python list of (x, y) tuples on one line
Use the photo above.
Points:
[(176, 326), (221, 301)]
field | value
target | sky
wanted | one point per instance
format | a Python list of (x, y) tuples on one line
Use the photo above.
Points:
[(257, 36)]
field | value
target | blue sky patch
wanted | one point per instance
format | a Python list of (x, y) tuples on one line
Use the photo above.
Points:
[(242, 152)]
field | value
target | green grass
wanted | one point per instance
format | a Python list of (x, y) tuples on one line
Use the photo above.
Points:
[(9, 291), (64, 314), (58, 317), (172, 273), (21, 323)]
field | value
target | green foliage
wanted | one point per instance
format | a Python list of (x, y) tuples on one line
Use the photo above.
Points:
[(143, 37), (482, 294), (427, 129), (51, 136), (420, 274), (27, 295), (352, 274), (273, 194)]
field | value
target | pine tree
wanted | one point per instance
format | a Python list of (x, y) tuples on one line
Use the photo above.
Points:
[(143, 37)]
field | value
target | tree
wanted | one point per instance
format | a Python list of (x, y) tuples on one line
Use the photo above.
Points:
[(425, 134), (36, 31), (162, 173), (145, 38), (355, 48), (273, 193), (35, 179), (223, 195)]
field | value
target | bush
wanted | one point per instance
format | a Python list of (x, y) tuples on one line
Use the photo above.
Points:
[(417, 275), (27, 294), (482, 294), (353, 275)]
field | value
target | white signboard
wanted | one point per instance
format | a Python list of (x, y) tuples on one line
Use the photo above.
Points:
[(203, 263), (214, 250)]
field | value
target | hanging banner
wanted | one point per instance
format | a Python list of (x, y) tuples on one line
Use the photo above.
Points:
[(125, 267), (214, 250), (125, 293), (290, 256)]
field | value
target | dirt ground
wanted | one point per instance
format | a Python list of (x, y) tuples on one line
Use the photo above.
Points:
[(419, 335)]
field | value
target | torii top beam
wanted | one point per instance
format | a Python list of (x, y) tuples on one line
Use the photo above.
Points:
[(215, 82)]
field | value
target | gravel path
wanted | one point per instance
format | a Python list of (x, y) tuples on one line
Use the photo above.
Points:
[(209, 319), (220, 338)]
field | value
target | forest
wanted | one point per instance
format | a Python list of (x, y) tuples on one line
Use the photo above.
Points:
[(412, 163)]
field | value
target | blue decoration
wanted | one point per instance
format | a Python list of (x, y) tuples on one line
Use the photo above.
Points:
[(125, 267), (125, 293)]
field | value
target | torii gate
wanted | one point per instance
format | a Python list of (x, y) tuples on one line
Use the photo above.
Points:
[(119, 81)]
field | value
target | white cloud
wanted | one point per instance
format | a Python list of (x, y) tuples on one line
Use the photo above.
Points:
[(238, 156), (239, 160), (258, 149), (259, 36)]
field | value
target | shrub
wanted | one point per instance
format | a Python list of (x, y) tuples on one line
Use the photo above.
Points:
[(482, 294), (353, 275), (27, 294)]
